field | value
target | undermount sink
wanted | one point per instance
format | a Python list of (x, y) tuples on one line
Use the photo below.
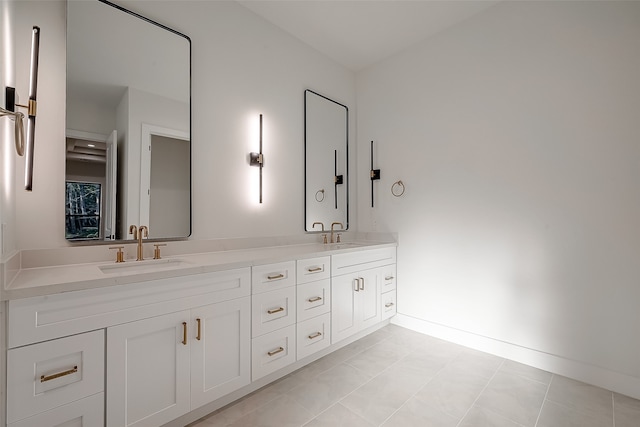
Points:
[(148, 266), (343, 245)]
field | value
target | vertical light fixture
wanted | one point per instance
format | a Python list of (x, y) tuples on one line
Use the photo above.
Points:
[(374, 174), (257, 159), (31, 107)]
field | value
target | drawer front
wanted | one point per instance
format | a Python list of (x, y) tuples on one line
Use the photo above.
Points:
[(362, 260), (313, 335), (388, 278), (273, 351), (43, 318), (272, 310), (87, 412), (388, 304), (312, 269), (269, 277), (313, 299), (47, 375)]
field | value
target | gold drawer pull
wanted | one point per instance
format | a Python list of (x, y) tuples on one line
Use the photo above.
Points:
[(58, 375), (184, 333), (389, 304), (277, 276), (314, 269), (316, 335), (275, 310), (314, 299), (276, 351), (389, 278), (199, 335)]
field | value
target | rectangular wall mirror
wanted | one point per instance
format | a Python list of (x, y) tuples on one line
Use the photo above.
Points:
[(326, 139), (128, 121)]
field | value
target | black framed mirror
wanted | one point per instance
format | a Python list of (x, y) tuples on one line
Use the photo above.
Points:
[(128, 121), (326, 138)]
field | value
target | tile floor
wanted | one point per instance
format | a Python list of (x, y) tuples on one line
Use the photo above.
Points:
[(397, 377)]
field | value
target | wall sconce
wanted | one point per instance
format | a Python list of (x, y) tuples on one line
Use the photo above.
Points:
[(257, 159), (10, 111), (337, 179), (374, 174)]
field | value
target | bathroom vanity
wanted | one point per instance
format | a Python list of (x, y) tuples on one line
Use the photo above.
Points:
[(164, 342)]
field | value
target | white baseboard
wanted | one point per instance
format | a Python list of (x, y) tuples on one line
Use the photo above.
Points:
[(610, 380)]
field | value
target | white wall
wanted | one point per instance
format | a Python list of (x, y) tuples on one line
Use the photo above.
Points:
[(241, 66), (517, 136)]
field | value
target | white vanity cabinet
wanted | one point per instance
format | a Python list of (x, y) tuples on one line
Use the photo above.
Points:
[(356, 285), (273, 318)]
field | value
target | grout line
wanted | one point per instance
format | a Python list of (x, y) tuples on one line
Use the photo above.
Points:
[(482, 391), (544, 400)]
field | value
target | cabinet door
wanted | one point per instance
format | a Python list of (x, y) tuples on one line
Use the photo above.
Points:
[(148, 371), (87, 412), (368, 298), (344, 322), (220, 350)]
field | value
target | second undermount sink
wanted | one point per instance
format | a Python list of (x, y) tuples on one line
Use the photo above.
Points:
[(343, 245), (148, 266)]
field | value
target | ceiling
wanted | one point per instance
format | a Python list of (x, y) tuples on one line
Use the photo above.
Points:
[(359, 33)]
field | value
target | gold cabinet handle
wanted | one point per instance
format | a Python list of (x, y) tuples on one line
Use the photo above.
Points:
[(277, 276), (389, 278), (276, 351), (44, 378), (390, 304), (275, 310), (198, 336), (314, 269), (184, 333), (315, 335), (314, 299)]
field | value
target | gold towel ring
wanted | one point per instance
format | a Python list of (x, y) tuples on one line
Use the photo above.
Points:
[(397, 189)]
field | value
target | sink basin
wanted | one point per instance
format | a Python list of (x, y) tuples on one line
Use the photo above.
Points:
[(149, 266), (343, 245)]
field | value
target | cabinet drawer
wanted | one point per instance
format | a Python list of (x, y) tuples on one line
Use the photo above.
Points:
[(388, 304), (362, 260), (388, 278), (270, 277), (312, 269), (87, 412), (313, 335), (47, 375), (313, 299), (273, 351), (273, 310)]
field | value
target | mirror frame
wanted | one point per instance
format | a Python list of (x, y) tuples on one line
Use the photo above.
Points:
[(306, 161), (190, 94)]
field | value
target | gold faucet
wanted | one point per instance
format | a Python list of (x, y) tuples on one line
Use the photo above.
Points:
[(137, 235), (335, 223), (324, 236)]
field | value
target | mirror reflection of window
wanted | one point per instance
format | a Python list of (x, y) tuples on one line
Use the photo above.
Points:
[(82, 214)]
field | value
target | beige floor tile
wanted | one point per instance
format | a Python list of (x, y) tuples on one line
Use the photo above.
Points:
[(481, 417), (557, 415), (511, 367), (514, 397), (626, 411), (338, 416), (453, 392), (582, 397), (281, 412), (416, 413), (379, 398), (477, 362), (230, 413), (328, 388), (377, 358)]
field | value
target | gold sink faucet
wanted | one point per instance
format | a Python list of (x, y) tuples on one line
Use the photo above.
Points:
[(341, 227), (137, 235), (324, 236)]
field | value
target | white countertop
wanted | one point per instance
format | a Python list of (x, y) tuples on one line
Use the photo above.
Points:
[(48, 280)]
